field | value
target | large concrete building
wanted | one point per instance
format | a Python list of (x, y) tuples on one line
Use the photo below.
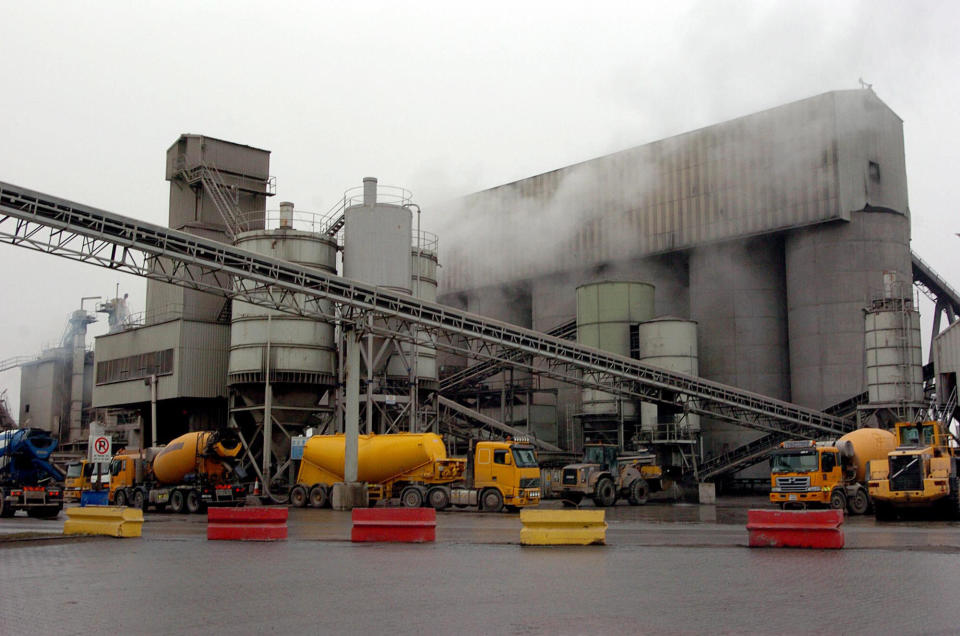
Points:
[(771, 231)]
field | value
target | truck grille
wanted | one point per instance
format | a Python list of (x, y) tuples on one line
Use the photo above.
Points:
[(906, 472), (529, 482), (570, 476), (793, 484)]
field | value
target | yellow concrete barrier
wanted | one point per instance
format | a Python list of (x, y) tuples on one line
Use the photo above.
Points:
[(562, 527), (110, 521)]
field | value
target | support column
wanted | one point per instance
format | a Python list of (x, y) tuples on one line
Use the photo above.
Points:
[(350, 494), (352, 419)]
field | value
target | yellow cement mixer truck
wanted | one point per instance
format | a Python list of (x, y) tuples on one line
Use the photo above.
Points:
[(194, 471), (806, 473), (414, 468)]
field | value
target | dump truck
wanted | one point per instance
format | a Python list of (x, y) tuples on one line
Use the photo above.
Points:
[(919, 474), (194, 471), (414, 468), (606, 475), (828, 474), (28, 479)]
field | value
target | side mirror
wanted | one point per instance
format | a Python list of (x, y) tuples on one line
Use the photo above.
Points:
[(507, 460)]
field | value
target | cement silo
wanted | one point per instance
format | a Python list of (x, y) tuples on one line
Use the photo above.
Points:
[(608, 313), (894, 359), (281, 365), (376, 237), (424, 264), (737, 299), (833, 273), (668, 343), (423, 285)]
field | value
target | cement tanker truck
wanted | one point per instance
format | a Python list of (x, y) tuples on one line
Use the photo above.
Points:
[(194, 471), (28, 480), (414, 467), (828, 474)]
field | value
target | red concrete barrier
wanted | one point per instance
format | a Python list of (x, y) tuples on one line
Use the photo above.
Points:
[(795, 528), (408, 525), (247, 524)]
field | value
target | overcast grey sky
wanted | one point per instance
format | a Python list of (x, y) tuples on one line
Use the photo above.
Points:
[(443, 98)]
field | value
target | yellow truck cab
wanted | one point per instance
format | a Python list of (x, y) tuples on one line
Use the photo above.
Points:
[(82, 476), (920, 473), (804, 472), (504, 474)]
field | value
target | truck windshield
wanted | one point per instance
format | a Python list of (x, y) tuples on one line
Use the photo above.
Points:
[(73, 470), (524, 458), (795, 462)]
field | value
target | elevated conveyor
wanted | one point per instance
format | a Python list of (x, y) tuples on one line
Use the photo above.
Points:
[(48, 224)]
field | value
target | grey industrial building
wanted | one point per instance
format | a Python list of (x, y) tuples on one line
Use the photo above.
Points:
[(770, 254), (772, 231)]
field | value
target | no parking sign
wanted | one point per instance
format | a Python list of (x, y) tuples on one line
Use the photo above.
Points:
[(101, 448)]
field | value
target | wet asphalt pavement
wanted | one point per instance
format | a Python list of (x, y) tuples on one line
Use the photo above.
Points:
[(665, 569)]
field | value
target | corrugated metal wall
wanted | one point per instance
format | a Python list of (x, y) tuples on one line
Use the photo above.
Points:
[(768, 171)]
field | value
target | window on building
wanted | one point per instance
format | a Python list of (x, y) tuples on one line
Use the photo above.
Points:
[(135, 367)]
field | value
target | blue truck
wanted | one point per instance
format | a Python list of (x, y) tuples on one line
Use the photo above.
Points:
[(28, 479)]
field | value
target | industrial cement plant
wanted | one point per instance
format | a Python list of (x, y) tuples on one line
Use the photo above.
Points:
[(700, 300)]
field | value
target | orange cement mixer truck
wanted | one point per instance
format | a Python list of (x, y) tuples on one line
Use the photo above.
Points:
[(806, 473), (194, 471), (414, 468)]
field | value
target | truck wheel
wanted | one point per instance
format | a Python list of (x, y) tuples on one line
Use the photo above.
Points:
[(438, 498), (639, 491), (491, 500), (298, 497), (883, 511), (177, 502), (411, 497), (194, 504), (859, 503), (120, 498), (319, 497), (6, 510), (139, 500), (838, 500), (606, 494)]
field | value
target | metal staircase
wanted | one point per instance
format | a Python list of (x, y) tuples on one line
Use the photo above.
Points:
[(226, 199), (483, 370), (490, 423), (48, 224)]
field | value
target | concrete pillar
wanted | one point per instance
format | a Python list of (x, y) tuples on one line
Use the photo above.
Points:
[(352, 418), (708, 493)]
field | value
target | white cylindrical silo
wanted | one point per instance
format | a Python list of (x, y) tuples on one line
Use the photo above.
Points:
[(607, 315), (302, 350), (894, 357), (423, 285), (376, 238), (833, 272), (669, 343)]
